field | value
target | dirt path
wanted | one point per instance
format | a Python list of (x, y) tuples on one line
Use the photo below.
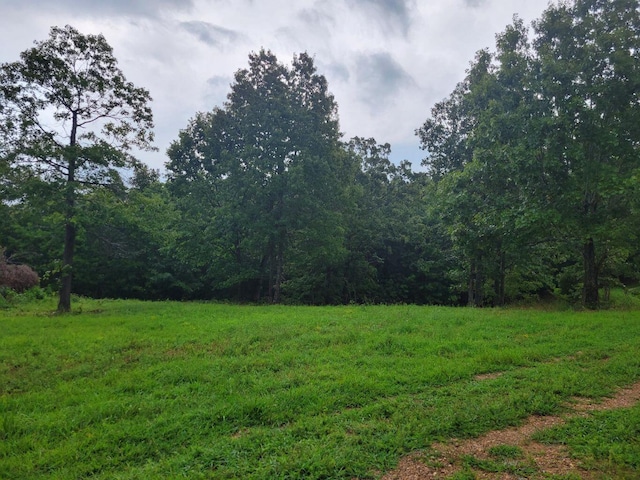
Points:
[(545, 460)]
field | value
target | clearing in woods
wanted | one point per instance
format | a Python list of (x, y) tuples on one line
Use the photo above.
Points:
[(132, 390)]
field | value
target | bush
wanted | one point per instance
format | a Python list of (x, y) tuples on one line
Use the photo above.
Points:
[(17, 277)]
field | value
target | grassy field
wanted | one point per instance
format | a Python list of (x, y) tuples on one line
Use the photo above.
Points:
[(134, 390)]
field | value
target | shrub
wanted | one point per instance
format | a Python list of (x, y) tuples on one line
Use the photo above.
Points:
[(16, 277)]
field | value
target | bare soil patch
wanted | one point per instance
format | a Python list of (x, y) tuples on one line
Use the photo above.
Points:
[(488, 376), (545, 459)]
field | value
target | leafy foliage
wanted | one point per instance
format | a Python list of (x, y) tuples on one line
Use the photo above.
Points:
[(69, 117), (535, 148), (530, 190), (264, 179)]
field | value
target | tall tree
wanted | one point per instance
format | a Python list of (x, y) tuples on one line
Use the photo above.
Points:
[(539, 145), (69, 115), (454, 136), (269, 168), (589, 75)]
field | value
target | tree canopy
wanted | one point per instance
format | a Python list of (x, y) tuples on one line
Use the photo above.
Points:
[(529, 188), (68, 117), (536, 148), (266, 177)]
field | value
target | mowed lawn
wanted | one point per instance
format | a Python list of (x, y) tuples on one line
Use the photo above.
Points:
[(135, 390)]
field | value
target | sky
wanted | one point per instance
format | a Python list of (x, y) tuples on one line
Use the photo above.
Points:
[(387, 62)]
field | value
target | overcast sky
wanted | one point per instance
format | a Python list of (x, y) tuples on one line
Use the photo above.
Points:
[(387, 61)]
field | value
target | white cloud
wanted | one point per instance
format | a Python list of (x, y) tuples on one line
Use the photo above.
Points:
[(210, 34), (387, 61)]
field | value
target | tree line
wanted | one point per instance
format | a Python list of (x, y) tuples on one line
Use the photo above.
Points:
[(530, 186)]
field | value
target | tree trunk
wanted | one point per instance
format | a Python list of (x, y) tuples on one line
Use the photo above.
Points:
[(500, 280), (277, 269), (590, 294), (475, 283), (261, 279), (479, 285), (471, 290), (64, 302), (278, 279), (279, 247)]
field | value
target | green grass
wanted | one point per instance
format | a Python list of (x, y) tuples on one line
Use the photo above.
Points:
[(135, 390), (519, 468), (506, 452), (504, 459), (608, 441)]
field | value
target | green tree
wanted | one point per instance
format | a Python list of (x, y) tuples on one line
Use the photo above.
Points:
[(589, 72), (445, 135), (397, 250), (462, 161), (511, 223), (264, 179), (30, 222), (536, 151), (69, 115), (127, 242)]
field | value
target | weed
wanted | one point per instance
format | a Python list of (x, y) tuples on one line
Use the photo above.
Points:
[(503, 465), (505, 451), (465, 474)]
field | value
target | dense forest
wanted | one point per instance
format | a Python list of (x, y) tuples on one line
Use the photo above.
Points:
[(530, 185)]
